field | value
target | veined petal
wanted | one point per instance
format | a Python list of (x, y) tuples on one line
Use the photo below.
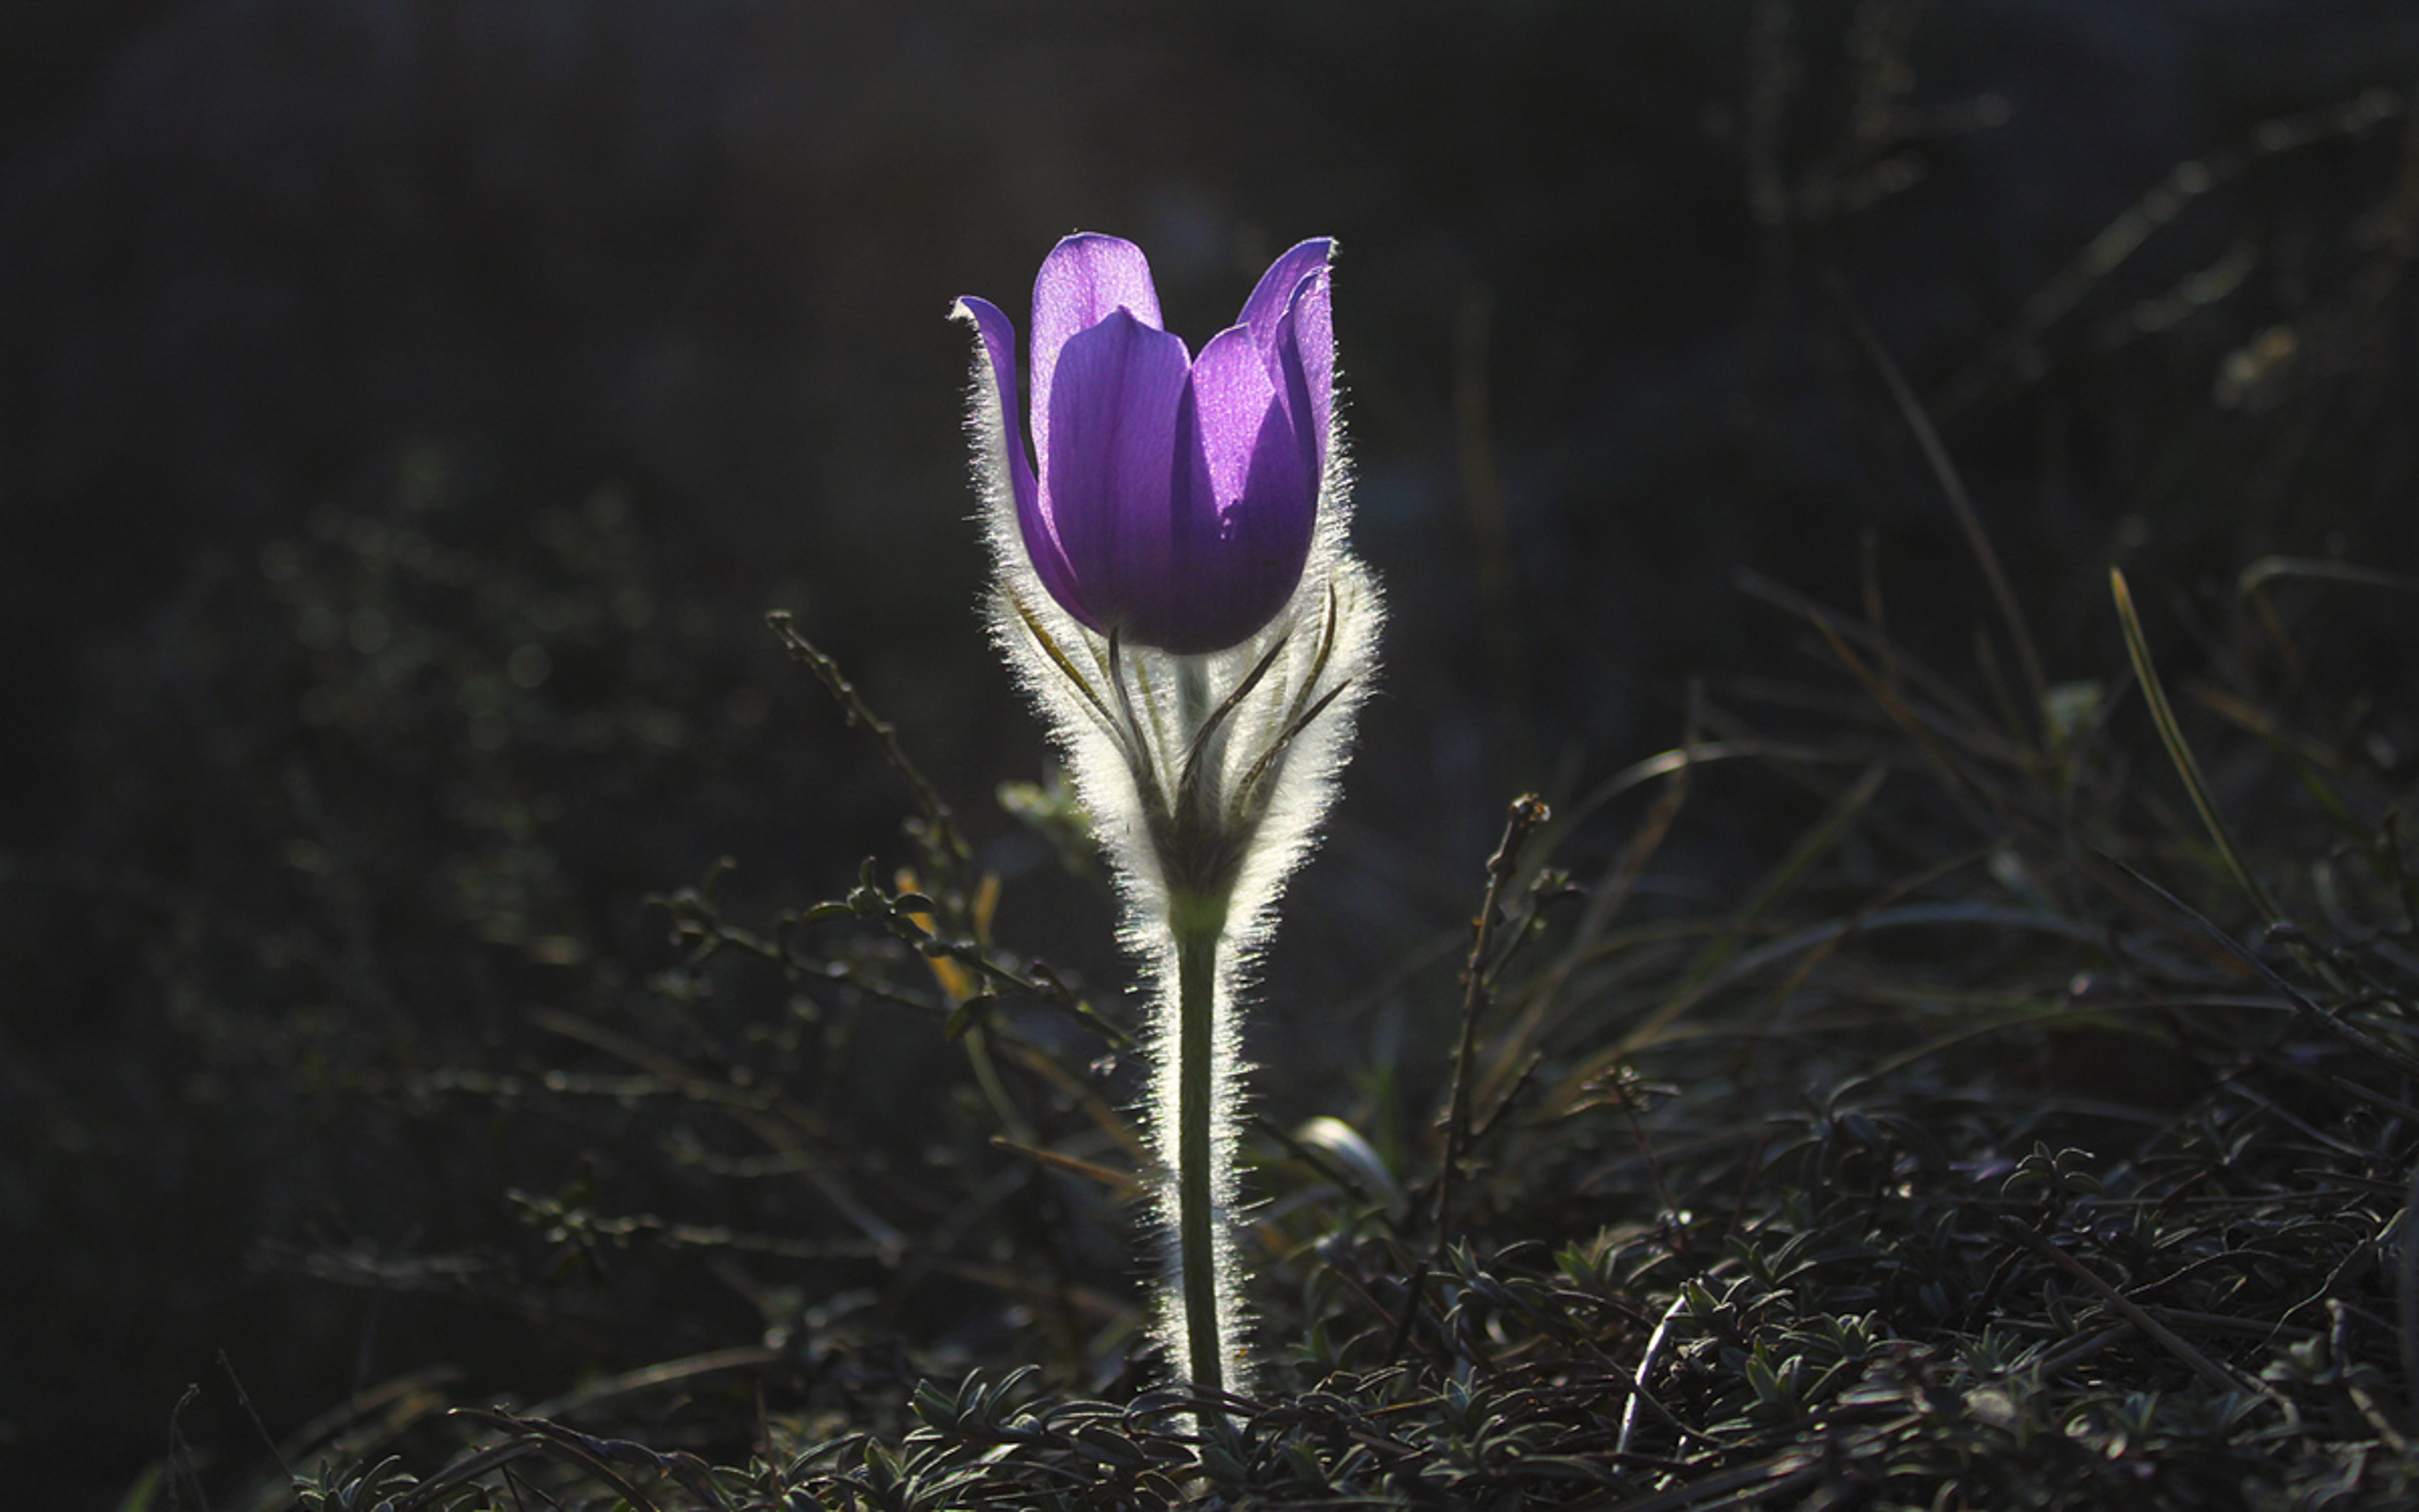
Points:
[(1305, 354), (998, 334), (1084, 279), (1234, 388), (1246, 499), (1003, 440), (1105, 481), (1273, 295)]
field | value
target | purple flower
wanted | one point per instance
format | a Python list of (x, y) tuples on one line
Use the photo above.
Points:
[(1178, 495)]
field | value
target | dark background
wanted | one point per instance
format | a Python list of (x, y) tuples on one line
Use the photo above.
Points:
[(407, 412)]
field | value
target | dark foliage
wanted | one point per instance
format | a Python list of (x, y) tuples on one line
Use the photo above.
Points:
[(452, 1019), (1966, 1161)]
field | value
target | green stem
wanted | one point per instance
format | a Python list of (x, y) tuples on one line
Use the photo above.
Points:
[(1197, 931)]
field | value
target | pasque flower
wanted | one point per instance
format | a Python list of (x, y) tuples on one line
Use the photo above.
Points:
[(1177, 495), (1174, 590)]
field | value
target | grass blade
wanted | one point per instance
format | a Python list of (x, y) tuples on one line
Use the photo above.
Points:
[(2171, 734)]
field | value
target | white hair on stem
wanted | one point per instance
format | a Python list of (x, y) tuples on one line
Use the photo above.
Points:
[(1220, 766)]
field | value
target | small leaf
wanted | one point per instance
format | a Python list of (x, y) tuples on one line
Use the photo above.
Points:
[(969, 1013)]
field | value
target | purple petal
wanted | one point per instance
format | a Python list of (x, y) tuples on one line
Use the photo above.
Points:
[(1305, 355), (999, 335), (1247, 497), (1106, 477), (1273, 295), (1084, 280), (1007, 442), (1233, 390)]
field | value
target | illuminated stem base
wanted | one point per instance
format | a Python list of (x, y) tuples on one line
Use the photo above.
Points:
[(1198, 926)]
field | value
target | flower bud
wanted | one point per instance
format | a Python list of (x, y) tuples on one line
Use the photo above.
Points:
[(1178, 496)]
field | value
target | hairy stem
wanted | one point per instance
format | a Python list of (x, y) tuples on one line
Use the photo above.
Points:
[(1198, 933)]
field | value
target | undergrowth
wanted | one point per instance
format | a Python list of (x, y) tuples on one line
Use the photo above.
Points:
[(2036, 1132), (2036, 1129)]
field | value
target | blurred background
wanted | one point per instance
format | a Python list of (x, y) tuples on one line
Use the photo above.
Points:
[(410, 408)]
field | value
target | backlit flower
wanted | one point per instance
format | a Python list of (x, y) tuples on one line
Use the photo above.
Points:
[(1176, 592), (1178, 496)]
